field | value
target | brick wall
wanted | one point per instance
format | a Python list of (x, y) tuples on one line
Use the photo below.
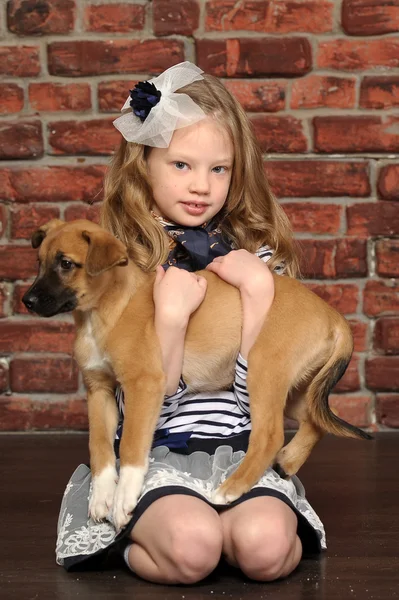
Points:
[(320, 81)]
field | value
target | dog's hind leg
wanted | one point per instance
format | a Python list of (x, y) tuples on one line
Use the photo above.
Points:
[(267, 399), (291, 458), (103, 421)]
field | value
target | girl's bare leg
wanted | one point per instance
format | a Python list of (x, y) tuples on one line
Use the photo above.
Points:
[(259, 537), (178, 539)]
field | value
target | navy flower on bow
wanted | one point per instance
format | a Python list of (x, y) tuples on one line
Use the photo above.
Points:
[(144, 96)]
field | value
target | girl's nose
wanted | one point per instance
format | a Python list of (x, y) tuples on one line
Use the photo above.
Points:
[(200, 183)]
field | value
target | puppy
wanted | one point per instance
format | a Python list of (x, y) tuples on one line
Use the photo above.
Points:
[(301, 352)]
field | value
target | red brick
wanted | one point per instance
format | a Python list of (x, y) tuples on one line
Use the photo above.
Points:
[(36, 335), (255, 57), (258, 96), (350, 382), (353, 409), (317, 260), (94, 137), (356, 134), (382, 373), (387, 409), (26, 219), (357, 55), (276, 16), (44, 375), (3, 220), (21, 139), (112, 94), (388, 182), (314, 217), (25, 17), (333, 258), (351, 258), (379, 92), (373, 218), (57, 96), (380, 298), (22, 413), (17, 262), (19, 61), (279, 134), (3, 377), (304, 178), (387, 254), (386, 335), (175, 16), (360, 335), (11, 98), (117, 18), (319, 91), (78, 211), (344, 297), (370, 17), (81, 58), (18, 308), (52, 184)]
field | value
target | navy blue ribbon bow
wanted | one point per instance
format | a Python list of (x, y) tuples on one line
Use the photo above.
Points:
[(195, 247)]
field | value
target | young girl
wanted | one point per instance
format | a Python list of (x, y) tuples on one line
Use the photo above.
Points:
[(187, 191)]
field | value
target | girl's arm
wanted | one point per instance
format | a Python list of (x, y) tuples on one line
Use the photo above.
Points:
[(254, 279), (177, 294), (171, 339), (255, 306)]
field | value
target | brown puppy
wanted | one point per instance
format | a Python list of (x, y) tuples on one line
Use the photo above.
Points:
[(302, 351)]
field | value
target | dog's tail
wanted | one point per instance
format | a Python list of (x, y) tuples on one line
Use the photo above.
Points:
[(326, 379)]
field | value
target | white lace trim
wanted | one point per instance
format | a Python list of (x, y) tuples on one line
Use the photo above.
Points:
[(76, 539)]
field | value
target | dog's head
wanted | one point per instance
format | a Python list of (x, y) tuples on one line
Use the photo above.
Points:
[(75, 260)]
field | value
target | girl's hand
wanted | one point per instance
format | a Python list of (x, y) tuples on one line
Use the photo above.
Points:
[(177, 294), (253, 278), (245, 271)]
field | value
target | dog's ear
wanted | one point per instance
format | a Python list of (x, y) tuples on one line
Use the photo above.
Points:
[(105, 252), (39, 235)]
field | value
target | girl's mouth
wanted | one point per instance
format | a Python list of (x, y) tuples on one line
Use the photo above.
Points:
[(194, 209)]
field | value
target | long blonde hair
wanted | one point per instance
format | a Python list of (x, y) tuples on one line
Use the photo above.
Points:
[(251, 216)]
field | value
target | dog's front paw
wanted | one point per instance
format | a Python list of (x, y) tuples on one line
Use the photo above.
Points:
[(126, 495), (103, 491), (226, 493)]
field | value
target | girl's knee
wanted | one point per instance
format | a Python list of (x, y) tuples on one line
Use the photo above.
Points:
[(195, 549), (265, 550)]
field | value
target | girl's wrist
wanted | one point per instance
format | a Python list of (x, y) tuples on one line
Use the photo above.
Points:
[(171, 320)]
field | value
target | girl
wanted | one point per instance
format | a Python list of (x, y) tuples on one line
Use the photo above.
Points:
[(187, 191)]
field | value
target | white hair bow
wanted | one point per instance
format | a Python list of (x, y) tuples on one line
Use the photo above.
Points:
[(170, 112)]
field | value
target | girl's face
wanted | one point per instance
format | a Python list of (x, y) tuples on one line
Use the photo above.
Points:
[(190, 179)]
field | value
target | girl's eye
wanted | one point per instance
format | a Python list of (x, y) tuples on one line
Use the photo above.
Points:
[(66, 264), (180, 165), (220, 169)]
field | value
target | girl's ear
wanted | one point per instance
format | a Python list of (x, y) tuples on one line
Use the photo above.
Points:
[(105, 252)]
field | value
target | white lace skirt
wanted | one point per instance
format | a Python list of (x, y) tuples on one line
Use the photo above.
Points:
[(81, 541)]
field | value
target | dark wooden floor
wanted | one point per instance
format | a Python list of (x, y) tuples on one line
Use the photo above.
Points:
[(353, 485)]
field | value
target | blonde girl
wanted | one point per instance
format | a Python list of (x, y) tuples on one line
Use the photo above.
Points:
[(185, 191)]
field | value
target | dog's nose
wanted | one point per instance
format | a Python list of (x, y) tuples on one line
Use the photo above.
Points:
[(30, 301)]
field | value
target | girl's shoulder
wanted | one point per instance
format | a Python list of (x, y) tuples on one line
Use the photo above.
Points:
[(265, 253)]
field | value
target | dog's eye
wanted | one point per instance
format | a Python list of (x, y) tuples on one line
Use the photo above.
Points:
[(66, 264)]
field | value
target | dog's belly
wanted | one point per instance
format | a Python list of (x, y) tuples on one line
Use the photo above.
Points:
[(213, 340), (209, 372)]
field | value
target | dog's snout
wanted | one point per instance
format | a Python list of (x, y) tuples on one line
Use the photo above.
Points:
[(30, 301)]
